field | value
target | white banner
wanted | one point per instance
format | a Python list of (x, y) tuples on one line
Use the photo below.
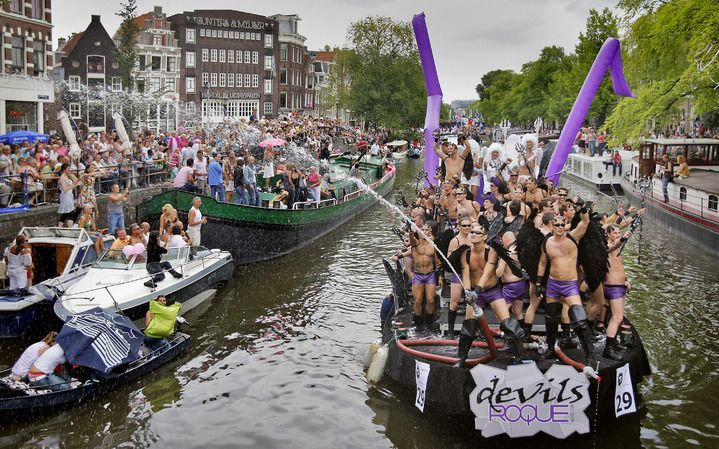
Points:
[(521, 401), (421, 373), (624, 402)]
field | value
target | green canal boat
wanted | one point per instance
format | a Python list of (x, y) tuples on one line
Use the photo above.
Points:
[(254, 234)]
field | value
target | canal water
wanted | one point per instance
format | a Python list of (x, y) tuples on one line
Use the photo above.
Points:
[(275, 360)]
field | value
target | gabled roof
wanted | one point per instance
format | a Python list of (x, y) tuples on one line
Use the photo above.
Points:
[(70, 44), (325, 56), (140, 20)]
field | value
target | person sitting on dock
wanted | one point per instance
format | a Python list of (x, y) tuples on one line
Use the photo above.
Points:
[(424, 281), (160, 322), (30, 355), (561, 251), (615, 289)]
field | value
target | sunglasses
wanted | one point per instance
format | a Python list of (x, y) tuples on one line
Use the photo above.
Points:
[(562, 194), (460, 193), (465, 226), (478, 233), (558, 225)]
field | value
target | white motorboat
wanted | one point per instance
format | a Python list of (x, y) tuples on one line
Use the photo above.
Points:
[(60, 256), (116, 282)]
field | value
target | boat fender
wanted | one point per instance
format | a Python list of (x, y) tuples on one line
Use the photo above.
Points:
[(376, 368), (371, 351), (386, 308)]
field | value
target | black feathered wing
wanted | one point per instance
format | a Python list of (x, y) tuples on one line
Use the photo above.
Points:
[(503, 253), (456, 259), (593, 255), (442, 242), (529, 248)]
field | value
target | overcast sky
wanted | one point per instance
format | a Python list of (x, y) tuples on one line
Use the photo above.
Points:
[(469, 37)]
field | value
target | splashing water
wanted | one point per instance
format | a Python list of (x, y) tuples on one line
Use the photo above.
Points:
[(394, 208)]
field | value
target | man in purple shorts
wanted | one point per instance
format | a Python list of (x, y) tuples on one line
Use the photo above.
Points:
[(514, 288), (615, 288), (561, 250), (424, 281)]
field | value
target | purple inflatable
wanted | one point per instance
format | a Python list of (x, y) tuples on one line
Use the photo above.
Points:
[(434, 94), (609, 56)]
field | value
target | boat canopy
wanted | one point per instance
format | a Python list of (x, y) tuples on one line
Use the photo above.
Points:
[(46, 233)]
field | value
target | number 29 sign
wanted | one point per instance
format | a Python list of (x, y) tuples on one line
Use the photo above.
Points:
[(624, 402)]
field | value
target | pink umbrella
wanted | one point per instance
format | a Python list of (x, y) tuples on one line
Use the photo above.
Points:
[(273, 143)]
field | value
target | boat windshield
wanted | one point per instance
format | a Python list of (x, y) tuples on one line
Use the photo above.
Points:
[(178, 256), (116, 259), (43, 232)]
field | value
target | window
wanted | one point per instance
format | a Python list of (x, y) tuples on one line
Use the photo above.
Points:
[(268, 106), (16, 6), (38, 57), (205, 55), (224, 34), (268, 62), (255, 57), (283, 52), (156, 64), (75, 110), (190, 106), (170, 86), (189, 59), (116, 84), (268, 86), (232, 108), (268, 42), (242, 34), (214, 33), (213, 79), (237, 34), (156, 40), (223, 82), (713, 201), (154, 84), (248, 79), (283, 76), (248, 57), (140, 85), (299, 55), (171, 64), (231, 56), (283, 99), (683, 193), (213, 55), (18, 53), (95, 64), (190, 35), (74, 83), (252, 36), (141, 62), (222, 55), (230, 80), (255, 80), (238, 81), (238, 57), (202, 32), (205, 79), (190, 85)]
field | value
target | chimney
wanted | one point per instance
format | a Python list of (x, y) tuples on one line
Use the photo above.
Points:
[(61, 43), (158, 10), (95, 19)]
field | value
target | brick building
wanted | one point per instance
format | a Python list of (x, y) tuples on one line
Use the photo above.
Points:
[(295, 70), (27, 56), (228, 63)]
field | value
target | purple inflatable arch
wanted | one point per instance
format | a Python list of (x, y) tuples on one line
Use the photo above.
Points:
[(609, 56), (434, 94)]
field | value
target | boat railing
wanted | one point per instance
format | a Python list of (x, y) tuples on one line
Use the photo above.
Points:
[(351, 196), (314, 204), (687, 204)]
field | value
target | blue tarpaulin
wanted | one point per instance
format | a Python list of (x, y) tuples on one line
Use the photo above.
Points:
[(23, 136), (100, 340)]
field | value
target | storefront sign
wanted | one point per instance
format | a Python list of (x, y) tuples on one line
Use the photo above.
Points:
[(521, 401), (227, 23), (421, 373), (234, 95)]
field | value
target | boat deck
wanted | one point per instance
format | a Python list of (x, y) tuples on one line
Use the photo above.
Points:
[(704, 180)]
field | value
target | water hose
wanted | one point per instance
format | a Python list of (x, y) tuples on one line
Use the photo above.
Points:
[(581, 367)]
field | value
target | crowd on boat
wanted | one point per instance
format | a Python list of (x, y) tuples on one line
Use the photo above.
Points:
[(517, 236)]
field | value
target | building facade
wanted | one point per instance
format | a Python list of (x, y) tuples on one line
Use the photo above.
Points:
[(90, 72), (158, 71), (228, 68), (295, 70), (27, 57)]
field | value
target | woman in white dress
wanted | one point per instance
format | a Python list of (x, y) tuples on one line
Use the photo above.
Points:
[(269, 166), (19, 261)]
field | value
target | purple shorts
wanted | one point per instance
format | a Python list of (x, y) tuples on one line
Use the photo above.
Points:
[(454, 279), (424, 278), (614, 291), (484, 297), (515, 290), (562, 289)]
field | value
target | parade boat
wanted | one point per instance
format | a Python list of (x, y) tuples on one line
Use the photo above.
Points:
[(254, 234), (692, 210), (399, 149), (60, 256), (96, 369), (116, 282), (599, 171), (557, 396)]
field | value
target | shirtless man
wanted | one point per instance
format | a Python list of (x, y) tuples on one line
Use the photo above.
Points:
[(455, 289), (480, 273), (615, 288), (545, 227), (448, 202), (514, 288), (453, 161), (465, 207), (424, 280), (534, 195), (561, 250)]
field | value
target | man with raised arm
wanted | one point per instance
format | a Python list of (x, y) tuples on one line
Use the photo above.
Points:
[(561, 250), (453, 160)]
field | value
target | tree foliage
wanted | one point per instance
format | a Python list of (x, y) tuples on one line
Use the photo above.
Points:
[(125, 50), (382, 63)]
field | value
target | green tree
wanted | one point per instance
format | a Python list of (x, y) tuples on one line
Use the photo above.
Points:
[(494, 88), (125, 51), (387, 86)]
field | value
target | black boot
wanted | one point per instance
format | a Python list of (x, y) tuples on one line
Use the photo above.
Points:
[(432, 322), (566, 341), (466, 337), (451, 319), (418, 322), (513, 334), (150, 284), (527, 327), (578, 318), (175, 274), (552, 318), (613, 350)]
